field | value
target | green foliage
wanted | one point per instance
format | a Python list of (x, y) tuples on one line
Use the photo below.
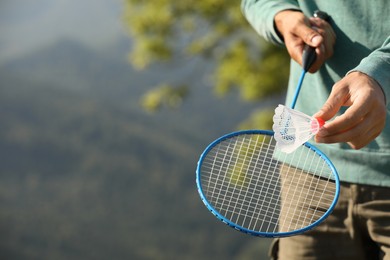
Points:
[(238, 176), (260, 119), (214, 29), (255, 77), (165, 22), (164, 95)]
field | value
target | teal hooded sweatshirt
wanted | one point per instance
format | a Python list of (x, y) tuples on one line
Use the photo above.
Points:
[(363, 44)]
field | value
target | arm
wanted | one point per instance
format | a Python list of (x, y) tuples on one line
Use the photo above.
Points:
[(377, 66), (282, 22), (260, 14), (366, 91)]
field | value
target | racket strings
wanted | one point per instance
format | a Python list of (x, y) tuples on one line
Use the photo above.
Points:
[(252, 185), (252, 193), (296, 194)]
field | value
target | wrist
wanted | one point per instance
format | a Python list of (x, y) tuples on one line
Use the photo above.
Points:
[(373, 82)]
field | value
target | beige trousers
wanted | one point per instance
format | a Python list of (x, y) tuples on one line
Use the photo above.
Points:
[(357, 229)]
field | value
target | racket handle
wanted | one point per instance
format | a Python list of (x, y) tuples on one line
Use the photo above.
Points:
[(309, 54)]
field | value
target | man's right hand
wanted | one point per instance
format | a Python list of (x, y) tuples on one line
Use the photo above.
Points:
[(298, 30)]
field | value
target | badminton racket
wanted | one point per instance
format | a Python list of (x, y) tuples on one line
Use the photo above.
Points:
[(250, 185)]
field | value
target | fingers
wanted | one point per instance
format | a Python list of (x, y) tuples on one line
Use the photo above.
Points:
[(337, 98), (298, 30), (300, 35), (325, 26), (325, 50), (308, 35), (358, 135), (365, 118)]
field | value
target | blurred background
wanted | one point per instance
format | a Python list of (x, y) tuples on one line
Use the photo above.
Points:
[(105, 107)]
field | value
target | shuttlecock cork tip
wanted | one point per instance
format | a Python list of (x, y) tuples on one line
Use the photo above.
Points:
[(320, 121), (316, 124)]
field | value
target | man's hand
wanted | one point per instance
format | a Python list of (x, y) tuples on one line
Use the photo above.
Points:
[(365, 118), (298, 30)]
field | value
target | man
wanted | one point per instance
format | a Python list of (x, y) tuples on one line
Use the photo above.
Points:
[(350, 89)]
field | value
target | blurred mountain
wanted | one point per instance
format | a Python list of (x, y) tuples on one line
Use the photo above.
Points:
[(86, 174), (71, 65), (27, 26)]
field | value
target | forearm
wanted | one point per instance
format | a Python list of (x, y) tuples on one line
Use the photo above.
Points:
[(260, 14), (377, 66)]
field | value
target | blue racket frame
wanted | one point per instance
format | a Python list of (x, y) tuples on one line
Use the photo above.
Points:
[(258, 233)]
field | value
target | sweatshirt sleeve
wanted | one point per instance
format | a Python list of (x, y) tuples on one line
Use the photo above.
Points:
[(377, 66), (260, 14)]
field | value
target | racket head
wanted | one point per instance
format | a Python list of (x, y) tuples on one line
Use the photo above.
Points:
[(242, 185)]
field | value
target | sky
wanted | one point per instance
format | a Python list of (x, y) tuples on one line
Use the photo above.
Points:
[(27, 25)]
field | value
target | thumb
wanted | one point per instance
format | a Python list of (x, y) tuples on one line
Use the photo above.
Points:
[(310, 36), (330, 108)]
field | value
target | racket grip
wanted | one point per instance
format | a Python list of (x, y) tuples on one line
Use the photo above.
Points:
[(309, 54)]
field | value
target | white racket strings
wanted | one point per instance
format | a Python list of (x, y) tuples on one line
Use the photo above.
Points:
[(252, 184)]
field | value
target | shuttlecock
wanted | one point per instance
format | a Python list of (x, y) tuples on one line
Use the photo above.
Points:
[(292, 128)]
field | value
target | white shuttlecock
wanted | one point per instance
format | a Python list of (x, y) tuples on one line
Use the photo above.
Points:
[(292, 128)]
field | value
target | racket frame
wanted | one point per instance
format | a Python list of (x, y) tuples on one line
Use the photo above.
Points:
[(219, 216)]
